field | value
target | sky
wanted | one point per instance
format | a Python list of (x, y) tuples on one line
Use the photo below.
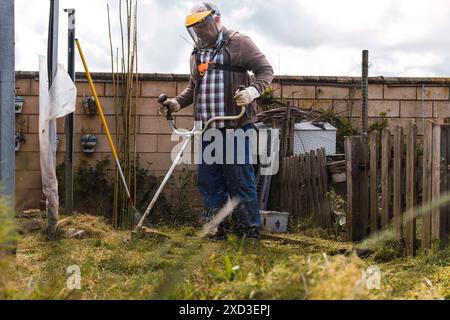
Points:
[(298, 37)]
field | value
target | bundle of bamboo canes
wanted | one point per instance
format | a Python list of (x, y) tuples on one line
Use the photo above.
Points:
[(125, 81)]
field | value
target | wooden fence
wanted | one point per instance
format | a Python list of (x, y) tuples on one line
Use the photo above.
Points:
[(302, 183), (392, 180)]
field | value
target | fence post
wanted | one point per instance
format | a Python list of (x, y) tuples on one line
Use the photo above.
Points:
[(411, 189), (397, 183), (385, 185), (445, 187), (373, 143), (426, 184), (364, 90), (356, 168), (325, 200), (436, 184), (315, 189), (303, 195), (316, 163), (291, 180), (311, 204), (364, 191)]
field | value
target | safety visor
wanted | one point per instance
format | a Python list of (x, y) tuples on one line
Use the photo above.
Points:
[(202, 28)]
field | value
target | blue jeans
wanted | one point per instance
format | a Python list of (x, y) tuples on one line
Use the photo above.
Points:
[(218, 183)]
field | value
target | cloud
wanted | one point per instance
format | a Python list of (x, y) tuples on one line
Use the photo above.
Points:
[(299, 37)]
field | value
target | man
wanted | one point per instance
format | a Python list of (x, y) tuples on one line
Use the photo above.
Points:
[(219, 65)]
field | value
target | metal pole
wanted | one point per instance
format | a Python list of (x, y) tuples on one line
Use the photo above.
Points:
[(52, 45), (7, 99), (365, 90), (52, 65), (70, 118)]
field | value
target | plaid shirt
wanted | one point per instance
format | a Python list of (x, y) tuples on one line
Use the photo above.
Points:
[(211, 101)]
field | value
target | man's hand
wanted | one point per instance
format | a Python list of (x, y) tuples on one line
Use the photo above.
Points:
[(170, 104), (246, 96)]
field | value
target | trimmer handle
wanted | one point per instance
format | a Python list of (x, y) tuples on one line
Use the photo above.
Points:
[(161, 99)]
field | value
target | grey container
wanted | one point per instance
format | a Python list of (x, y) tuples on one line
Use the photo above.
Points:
[(274, 221), (308, 136)]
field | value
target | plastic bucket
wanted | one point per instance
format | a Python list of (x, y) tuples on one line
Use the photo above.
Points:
[(274, 221)]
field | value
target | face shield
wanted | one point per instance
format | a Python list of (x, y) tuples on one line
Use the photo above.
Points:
[(202, 28)]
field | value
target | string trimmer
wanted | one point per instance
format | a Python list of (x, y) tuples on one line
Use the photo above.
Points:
[(189, 135)]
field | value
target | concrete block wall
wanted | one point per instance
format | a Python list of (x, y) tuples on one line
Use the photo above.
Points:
[(153, 140), (402, 99)]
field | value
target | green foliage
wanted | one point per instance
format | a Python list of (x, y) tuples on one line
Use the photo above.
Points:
[(182, 210), (342, 124), (92, 187), (338, 209), (94, 192), (147, 184), (380, 124), (388, 250)]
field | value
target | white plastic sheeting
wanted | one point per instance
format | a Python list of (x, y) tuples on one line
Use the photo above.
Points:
[(54, 103)]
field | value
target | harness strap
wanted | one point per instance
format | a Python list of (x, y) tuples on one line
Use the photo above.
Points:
[(220, 66), (203, 67)]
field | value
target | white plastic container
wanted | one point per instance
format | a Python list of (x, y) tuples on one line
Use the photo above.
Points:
[(309, 137), (274, 221)]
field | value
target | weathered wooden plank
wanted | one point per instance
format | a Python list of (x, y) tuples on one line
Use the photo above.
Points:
[(320, 189), (410, 189), (325, 200), (303, 203), (436, 184), (309, 188), (295, 185), (446, 219), (289, 185), (293, 189), (299, 187), (274, 199), (282, 196), (305, 191), (349, 155), (315, 189), (353, 158), (373, 145), (426, 184), (385, 185), (280, 185), (364, 188), (286, 184), (292, 185), (397, 183), (445, 176)]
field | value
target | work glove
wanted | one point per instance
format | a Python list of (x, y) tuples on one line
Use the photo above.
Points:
[(246, 96), (169, 104)]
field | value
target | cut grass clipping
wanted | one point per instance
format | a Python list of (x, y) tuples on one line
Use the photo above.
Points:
[(115, 266)]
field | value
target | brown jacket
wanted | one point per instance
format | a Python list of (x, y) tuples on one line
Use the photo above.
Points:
[(239, 52)]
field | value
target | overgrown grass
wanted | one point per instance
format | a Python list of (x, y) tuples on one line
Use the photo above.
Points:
[(115, 266), (8, 238)]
